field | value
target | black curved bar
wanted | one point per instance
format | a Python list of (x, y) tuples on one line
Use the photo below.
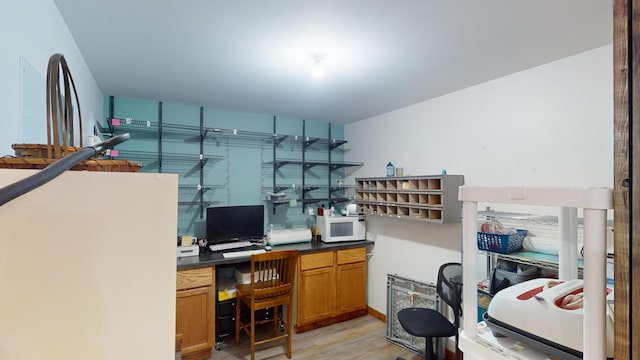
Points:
[(52, 171)]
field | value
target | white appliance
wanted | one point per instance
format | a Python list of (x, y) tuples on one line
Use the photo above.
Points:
[(352, 210), (243, 274), (185, 251), (341, 228), (545, 313), (288, 236)]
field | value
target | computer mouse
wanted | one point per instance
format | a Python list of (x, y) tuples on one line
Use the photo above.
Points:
[(267, 248)]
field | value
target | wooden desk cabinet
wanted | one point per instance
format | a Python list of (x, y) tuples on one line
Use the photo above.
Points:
[(351, 280), (195, 312), (332, 287)]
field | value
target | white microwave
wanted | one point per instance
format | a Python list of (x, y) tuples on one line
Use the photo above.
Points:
[(341, 228)]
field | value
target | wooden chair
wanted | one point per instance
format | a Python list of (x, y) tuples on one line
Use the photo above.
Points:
[(272, 281)]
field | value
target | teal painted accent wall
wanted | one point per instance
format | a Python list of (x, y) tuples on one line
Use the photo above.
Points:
[(240, 168)]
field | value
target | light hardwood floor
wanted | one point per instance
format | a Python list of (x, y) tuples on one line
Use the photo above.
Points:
[(363, 338)]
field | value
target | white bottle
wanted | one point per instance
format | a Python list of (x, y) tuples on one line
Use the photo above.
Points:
[(390, 169)]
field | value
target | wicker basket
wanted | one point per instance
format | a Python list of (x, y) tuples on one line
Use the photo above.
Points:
[(88, 165), (42, 150), (60, 129)]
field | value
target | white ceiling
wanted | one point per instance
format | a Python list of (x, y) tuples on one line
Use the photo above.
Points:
[(381, 54)]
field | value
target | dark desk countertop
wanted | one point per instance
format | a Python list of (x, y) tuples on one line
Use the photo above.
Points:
[(210, 258)]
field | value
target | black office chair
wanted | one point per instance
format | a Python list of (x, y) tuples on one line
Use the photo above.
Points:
[(429, 323)]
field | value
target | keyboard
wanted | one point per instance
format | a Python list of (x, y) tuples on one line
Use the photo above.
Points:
[(245, 253), (230, 245)]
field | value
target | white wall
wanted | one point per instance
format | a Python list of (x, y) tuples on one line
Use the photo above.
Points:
[(547, 126), (35, 30)]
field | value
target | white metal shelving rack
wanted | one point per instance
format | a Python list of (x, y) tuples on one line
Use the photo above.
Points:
[(595, 202)]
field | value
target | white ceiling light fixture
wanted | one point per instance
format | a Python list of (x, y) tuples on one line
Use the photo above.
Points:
[(317, 71)]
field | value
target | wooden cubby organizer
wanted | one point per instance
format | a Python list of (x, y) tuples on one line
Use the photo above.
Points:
[(432, 198)]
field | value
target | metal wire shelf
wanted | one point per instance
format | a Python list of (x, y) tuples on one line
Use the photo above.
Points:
[(165, 156), (133, 125)]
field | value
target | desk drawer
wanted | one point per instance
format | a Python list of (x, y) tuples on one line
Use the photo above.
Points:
[(316, 261), (351, 255), (225, 326), (227, 308), (189, 279)]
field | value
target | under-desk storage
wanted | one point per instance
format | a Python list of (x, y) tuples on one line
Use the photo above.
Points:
[(225, 320), (226, 302)]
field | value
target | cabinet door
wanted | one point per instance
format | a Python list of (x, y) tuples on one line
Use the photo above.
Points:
[(194, 320), (352, 287), (316, 294)]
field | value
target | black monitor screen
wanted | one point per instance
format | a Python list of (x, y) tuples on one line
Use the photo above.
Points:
[(233, 223)]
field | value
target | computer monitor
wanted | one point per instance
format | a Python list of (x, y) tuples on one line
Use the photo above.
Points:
[(234, 223)]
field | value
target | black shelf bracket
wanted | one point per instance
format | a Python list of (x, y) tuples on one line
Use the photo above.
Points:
[(280, 188), (310, 188), (277, 139), (278, 164), (309, 142), (336, 143)]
